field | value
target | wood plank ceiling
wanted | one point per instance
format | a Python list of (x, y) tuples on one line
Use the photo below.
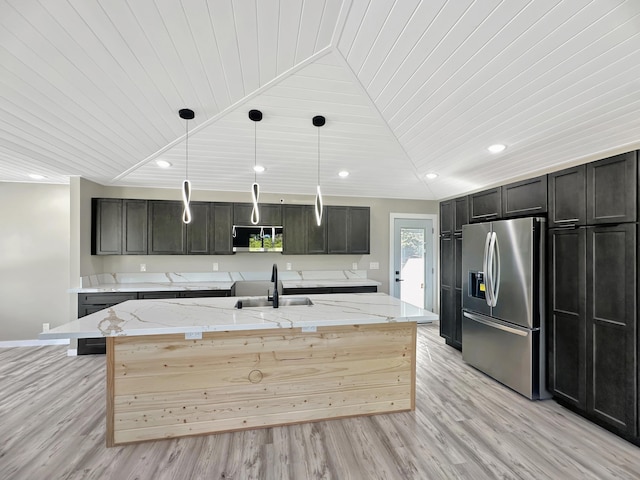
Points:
[(408, 87)]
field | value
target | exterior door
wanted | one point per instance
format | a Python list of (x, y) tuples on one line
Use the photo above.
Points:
[(413, 268)]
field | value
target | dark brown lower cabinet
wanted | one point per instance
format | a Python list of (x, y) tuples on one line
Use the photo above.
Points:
[(593, 337), (567, 322), (451, 289), (612, 326), (94, 302)]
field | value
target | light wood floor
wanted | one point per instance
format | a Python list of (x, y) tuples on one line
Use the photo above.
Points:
[(465, 425)]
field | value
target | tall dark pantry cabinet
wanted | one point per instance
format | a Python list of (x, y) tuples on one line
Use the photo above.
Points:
[(453, 215), (593, 291)]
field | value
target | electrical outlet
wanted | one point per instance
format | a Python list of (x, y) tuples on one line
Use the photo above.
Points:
[(193, 336), (45, 327), (143, 267), (354, 266), (288, 266), (215, 266), (374, 266)]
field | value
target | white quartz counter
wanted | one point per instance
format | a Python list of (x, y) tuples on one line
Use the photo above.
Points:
[(157, 317)]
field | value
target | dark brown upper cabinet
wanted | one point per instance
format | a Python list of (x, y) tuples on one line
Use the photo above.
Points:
[(106, 228), (198, 229), (119, 227), (167, 231), (347, 230), (485, 205), (294, 233), (446, 217), (602, 192), (460, 213), (270, 214), (526, 198), (612, 190), (220, 228), (134, 227), (567, 197), (302, 235)]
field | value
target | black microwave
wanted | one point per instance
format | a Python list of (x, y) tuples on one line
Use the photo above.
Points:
[(257, 239)]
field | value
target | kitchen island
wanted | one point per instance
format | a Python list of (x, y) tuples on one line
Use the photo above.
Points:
[(181, 367)]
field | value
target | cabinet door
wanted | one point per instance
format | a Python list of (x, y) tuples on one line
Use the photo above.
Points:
[(198, 230), (359, 230), (446, 217), (316, 235), (134, 226), (612, 326), (294, 231), (567, 315), (486, 205), (242, 213), (337, 228), (447, 287), (612, 189), (106, 228), (456, 331), (221, 226), (460, 213), (525, 198), (270, 214), (567, 197), (166, 229)]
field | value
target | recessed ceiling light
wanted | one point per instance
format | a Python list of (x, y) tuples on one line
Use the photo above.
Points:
[(36, 176), (497, 148), (259, 169), (431, 176), (343, 174), (163, 163)]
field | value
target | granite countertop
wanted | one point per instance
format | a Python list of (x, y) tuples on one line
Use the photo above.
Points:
[(192, 315), (141, 282)]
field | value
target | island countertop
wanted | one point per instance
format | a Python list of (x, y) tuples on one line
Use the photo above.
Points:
[(193, 315)]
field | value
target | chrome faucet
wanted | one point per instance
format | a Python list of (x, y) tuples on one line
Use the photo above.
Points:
[(274, 279)]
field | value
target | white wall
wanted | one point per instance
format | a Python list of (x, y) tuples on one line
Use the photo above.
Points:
[(34, 258), (380, 210)]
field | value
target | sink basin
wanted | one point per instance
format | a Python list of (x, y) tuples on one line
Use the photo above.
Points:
[(263, 302)]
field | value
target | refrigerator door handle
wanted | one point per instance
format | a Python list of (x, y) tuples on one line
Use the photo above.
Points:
[(485, 269), (495, 268), (499, 326)]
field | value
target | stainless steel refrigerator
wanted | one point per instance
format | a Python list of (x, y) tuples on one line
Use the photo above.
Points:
[(503, 302)]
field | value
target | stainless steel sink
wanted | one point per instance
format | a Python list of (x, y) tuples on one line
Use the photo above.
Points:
[(263, 302)]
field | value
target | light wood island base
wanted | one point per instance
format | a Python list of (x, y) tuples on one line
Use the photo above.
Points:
[(163, 386)]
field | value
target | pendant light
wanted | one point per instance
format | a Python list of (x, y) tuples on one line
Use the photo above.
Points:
[(318, 121), (256, 116), (186, 114)]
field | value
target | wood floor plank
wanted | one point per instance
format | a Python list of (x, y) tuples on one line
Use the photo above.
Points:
[(465, 426)]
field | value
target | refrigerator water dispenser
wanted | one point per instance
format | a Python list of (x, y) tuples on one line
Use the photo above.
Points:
[(476, 285)]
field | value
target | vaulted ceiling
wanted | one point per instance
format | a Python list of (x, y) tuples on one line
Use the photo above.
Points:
[(408, 87)]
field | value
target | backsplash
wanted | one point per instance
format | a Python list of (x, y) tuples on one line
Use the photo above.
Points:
[(173, 277)]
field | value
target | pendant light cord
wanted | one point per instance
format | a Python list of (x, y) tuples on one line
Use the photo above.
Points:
[(255, 151), (186, 148), (318, 156)]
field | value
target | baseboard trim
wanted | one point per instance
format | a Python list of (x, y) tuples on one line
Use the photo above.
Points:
[(34, 343)]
